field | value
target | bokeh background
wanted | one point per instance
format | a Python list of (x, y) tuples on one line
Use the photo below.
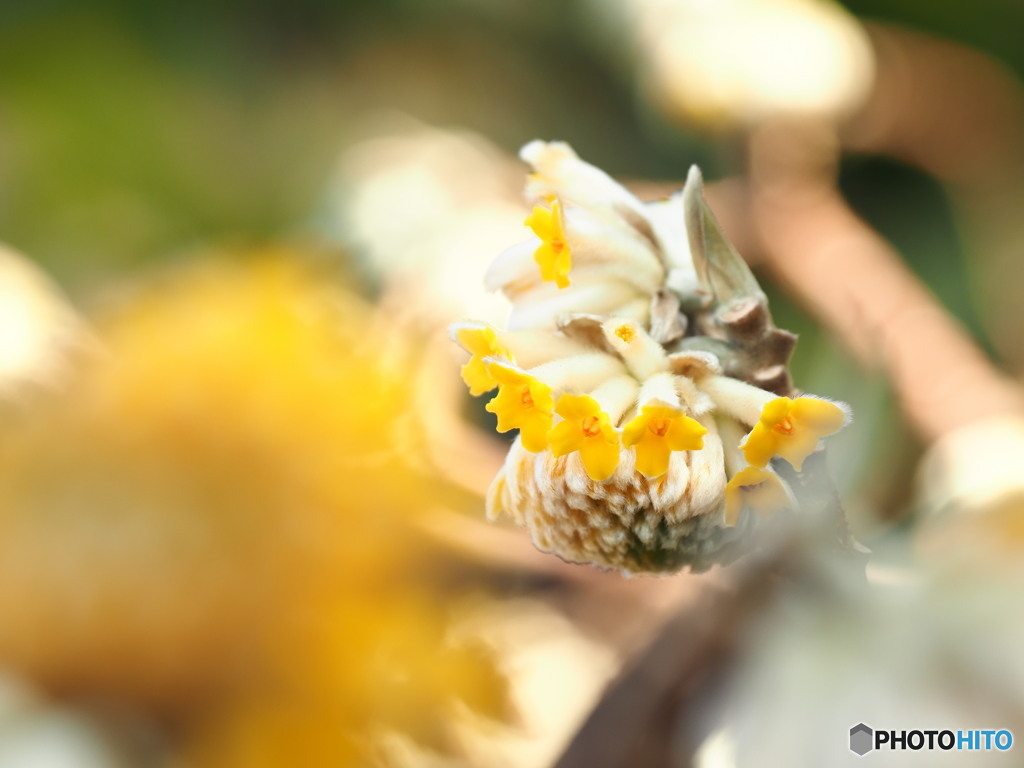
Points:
[(241, 494)]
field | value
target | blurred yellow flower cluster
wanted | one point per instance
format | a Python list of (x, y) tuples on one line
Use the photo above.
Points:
[(215, 519)]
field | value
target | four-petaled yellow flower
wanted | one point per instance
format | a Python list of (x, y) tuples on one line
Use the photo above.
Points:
[(587, 429), (759, 489), (553, 255), (480, 342), (523, 402), (657, 431), (791, 429)]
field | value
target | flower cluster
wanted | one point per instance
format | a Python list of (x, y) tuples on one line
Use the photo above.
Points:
[(644, 375)]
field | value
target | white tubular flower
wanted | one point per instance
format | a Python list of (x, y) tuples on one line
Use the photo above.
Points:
[(579, 372), (660, 388), (629, 276), (707, 471), (558, 171), (634, 330), (638, 310), (643, 355), (740, 400), (571, 242), (545, 305), (617, 396), (694, 401), (532, 348)]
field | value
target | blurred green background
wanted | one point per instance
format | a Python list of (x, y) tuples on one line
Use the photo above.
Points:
[(129, 131)]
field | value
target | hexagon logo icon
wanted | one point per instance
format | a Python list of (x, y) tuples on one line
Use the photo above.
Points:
[(861, 739)]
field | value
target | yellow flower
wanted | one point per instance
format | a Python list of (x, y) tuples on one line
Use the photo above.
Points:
[(480, 342), (524, 403), (791, 429), (241, 444), (587, 429), (657, 431), (553, 255), (758, 489)]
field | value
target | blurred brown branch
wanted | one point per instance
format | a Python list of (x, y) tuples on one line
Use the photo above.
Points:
[(858, 286)]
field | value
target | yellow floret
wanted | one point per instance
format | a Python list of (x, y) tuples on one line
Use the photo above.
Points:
[(626, 332), (657, 431), (523, 402), (791, 429), (481, 342), (758, 489), (587, 429), (553, 255)]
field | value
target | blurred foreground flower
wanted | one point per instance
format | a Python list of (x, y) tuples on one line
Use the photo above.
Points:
[(732, 63), (38, 329), (418, 205), (643, 372), (216, 521), (931, 650)]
